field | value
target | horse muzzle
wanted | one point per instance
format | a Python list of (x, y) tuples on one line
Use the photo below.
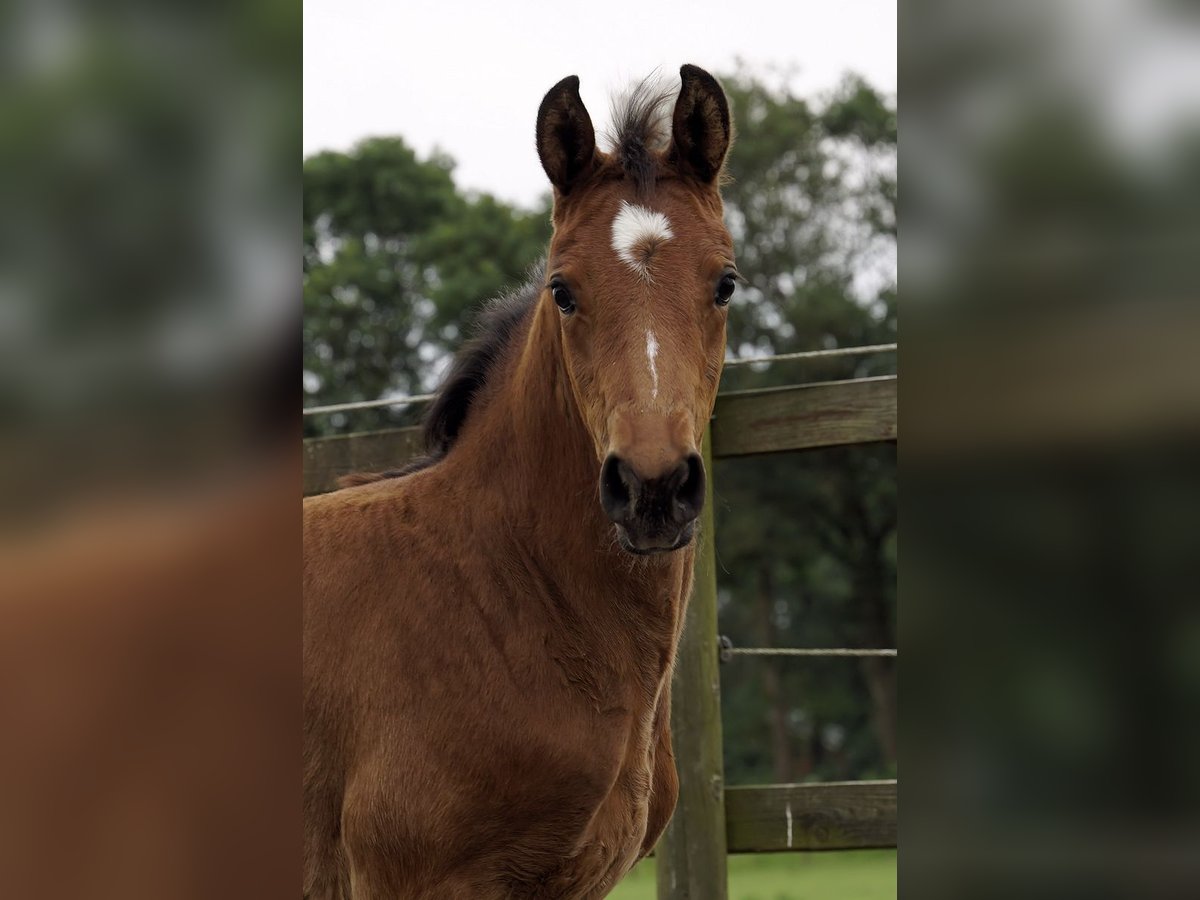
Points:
[(655, 514)]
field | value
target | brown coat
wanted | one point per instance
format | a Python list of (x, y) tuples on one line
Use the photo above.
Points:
[(515, 741)]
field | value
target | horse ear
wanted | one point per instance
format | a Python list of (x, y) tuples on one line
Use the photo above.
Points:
[(566, 141), (700, 129)]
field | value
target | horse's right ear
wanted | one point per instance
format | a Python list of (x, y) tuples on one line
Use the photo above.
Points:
[(701, 128), (566, 141)]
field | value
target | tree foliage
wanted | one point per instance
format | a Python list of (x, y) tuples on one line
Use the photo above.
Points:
[(395, 259), (806, 540)]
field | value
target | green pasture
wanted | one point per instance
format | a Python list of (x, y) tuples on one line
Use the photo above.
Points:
[(848, 875)]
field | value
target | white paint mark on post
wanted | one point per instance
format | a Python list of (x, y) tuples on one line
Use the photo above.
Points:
[(788, 812), (651, 356), (636, 231)]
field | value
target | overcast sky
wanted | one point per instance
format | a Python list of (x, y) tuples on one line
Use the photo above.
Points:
[(468, 76)]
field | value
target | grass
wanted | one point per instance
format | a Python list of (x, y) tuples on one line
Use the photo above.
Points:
[(849, 875)]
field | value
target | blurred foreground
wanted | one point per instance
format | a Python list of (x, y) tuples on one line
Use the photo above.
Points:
[(149, 553)]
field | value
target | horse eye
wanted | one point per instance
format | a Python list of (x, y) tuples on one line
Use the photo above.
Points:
[(562, 298), (725, 288)]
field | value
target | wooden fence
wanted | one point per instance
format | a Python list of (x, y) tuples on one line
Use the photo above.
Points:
[(711, 820)]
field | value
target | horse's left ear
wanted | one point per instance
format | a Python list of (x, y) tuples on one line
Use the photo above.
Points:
[(566, 141), (701, 129)]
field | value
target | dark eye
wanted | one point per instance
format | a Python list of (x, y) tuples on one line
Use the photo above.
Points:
[(725, 288), (562, 298)]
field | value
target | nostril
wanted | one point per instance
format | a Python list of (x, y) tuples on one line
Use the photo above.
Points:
[(689, 496), (616, 480)]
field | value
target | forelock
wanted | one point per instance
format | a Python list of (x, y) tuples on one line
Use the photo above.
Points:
[(641, 129)]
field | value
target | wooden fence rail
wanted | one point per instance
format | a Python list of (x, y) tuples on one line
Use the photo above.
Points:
[(851, 815), (328, 459), (823, 414), (712, 820)]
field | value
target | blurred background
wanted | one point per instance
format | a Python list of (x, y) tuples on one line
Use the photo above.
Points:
[(423, 197), (1051, 404)]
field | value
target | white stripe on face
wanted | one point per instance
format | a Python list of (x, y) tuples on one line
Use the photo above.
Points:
[(636, 231), (651, 356)]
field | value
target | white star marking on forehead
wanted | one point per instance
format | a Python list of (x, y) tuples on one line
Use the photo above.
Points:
[(636, 232)]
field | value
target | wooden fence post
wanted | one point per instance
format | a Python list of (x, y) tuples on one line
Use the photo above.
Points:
[(692, 853)]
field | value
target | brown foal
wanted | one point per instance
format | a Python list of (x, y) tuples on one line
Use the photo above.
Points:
[(489, 633)]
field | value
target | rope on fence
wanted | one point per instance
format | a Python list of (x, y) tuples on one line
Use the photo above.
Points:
[(788, 651), (367, 404), (782, 357), (812, 354), (728, 651)]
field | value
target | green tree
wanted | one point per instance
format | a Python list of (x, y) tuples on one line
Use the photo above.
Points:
[(806, 541), (395, 257)]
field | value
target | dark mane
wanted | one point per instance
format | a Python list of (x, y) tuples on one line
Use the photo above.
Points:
[(641, 129), (493, 331)]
